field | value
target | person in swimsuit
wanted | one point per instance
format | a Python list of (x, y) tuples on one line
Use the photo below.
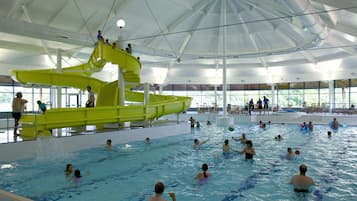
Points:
[(159, 190), (18, 106), (204, 174), (109, 143), (226, 148), (242, 139), (192, 122), (197, 144), (302, 182), (290, 154), (69, 169), (91, 98), (248, 150)]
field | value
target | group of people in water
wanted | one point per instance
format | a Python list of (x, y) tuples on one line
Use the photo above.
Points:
[(301, 181)]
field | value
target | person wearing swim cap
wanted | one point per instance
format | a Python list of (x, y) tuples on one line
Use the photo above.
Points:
[(302, 182), (159, 190)]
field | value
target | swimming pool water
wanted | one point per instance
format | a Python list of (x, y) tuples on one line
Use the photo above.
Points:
[(128, 173)]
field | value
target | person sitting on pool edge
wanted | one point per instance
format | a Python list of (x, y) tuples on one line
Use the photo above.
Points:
[(302, 182), (159, 190), (278, 137)]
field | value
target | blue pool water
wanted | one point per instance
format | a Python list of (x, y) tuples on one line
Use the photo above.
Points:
[(128, 173)]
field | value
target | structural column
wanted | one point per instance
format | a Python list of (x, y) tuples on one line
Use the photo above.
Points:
[(273, 101), (331, 95), (59, 70), (224, 60), (121, 86)]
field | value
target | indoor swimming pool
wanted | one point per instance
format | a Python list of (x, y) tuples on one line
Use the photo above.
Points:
[(129, 171)]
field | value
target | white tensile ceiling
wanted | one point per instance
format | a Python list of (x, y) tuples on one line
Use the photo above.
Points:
[(188, 41)]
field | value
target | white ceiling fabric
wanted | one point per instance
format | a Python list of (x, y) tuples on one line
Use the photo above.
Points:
[(181, 41)]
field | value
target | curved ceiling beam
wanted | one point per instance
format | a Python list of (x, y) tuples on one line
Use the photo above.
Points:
[(312, 22), (178, 20)]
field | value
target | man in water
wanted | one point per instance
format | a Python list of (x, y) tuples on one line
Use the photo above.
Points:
[(159, 190), (302, 182), (197, 144)]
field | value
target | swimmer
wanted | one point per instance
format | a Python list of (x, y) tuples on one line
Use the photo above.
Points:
[(77, 176), (109, 143), (310, 126), (69, 169), (329, 134), (204, 174), (226, 148), (147, 140), (302, 182), (297, 152), (242, 139), (159, 190), (198, 125), (209, 123), (197, 144), (278, 137), (248, 150), (290, 154)]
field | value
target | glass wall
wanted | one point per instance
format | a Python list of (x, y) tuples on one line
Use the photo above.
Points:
[(287, 95)]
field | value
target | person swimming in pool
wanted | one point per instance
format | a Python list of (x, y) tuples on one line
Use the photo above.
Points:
[(77, 175), (302, 182), (159, 190), (329, 134), (226, 148), (290, 154), (147, 140), (242, 139), (204, 174), (197, 144), (69, 169), (109, 144), (248, 150)]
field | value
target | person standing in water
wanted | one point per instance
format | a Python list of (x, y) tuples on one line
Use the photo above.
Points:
[(159, 190), (302, 182)]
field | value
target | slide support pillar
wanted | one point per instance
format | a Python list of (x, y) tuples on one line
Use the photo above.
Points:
[(121, 86), (59, 89), (146, 101), (331, 95)]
